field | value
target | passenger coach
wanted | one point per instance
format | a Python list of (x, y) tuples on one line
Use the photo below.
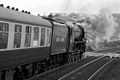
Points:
[(23, 38)]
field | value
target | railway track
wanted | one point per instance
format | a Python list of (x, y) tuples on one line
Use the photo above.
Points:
[(56, 73), (78, 70), (89, 70), (99, 71), (86, 69)]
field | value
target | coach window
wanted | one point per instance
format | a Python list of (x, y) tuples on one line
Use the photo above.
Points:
[(42, 37), (4, 31), (17, 36), (28, 36), (36, 36), (48, 36)]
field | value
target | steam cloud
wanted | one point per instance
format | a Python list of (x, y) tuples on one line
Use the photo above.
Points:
[(104, 26)]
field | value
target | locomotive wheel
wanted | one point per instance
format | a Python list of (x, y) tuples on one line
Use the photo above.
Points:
[(76, 57), (51, 61), (61, 60), (81, 54), (54, 62), (72, 57), (58, 59), (69, 59), (51, 66)]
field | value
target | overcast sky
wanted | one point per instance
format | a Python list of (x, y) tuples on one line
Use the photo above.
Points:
[(47, 6)]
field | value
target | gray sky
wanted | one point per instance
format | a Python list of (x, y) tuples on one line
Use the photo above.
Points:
[(47, 6)]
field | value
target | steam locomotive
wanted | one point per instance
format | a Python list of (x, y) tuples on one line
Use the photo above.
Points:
[(31, 44)]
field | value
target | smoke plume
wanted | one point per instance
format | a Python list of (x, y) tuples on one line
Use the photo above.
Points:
[(104, 26)]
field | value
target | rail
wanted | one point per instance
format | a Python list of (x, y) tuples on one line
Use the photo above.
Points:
[(98, 71), (67, 75)]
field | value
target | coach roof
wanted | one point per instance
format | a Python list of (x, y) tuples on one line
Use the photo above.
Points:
[(20, 17)]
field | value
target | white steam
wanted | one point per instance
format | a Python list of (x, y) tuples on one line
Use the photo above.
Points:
[(109, 23), (104, 26)]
